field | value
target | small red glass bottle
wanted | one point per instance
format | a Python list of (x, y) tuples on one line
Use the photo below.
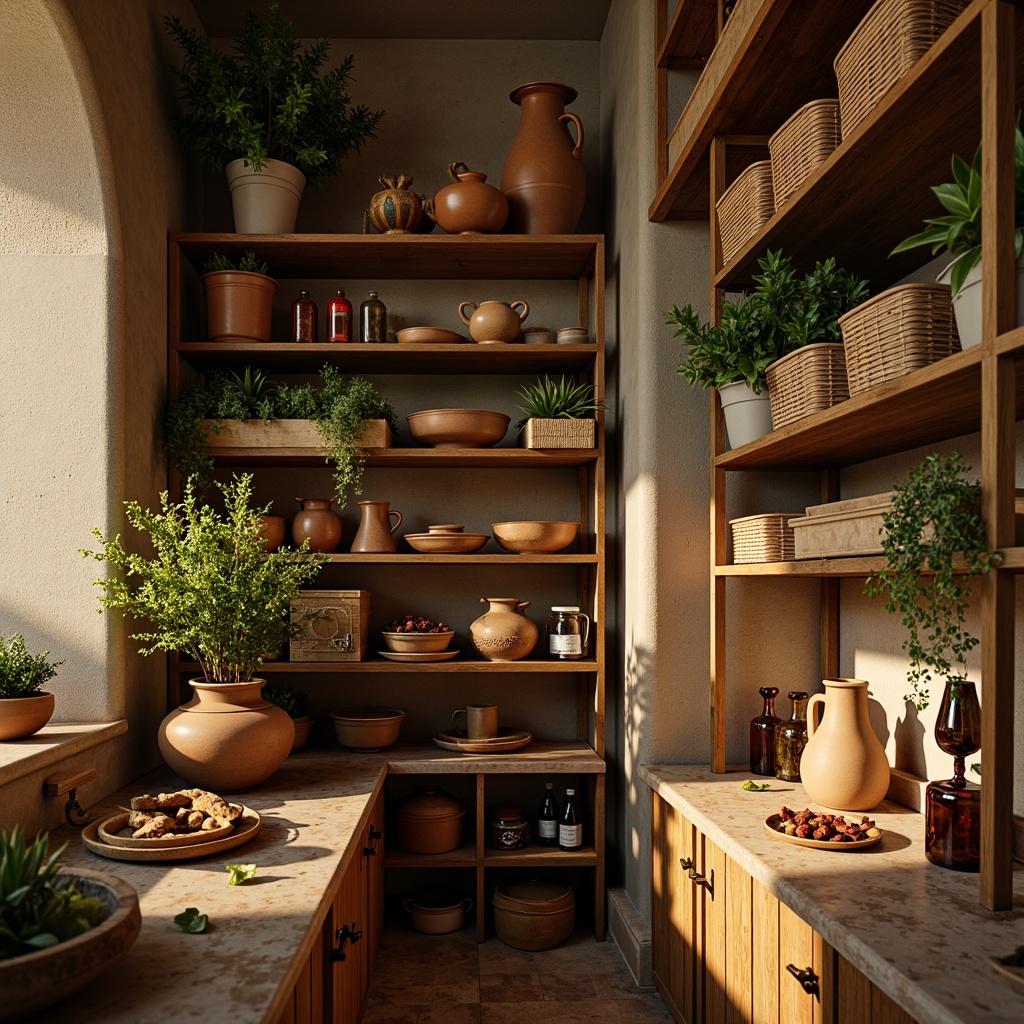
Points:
[(304, 318), (339, 319)]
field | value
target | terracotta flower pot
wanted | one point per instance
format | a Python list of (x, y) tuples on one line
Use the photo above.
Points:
[(238, 305), (303, 726), (23, 716)]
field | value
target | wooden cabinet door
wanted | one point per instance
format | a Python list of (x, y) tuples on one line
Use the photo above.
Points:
[(811, 1000), (373, 858), (710, 891), (764, 969), (739, 945), (860, 1002), (348, 946)]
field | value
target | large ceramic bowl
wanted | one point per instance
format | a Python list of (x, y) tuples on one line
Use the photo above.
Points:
[(458, 428), (535, 536), (418, 643), (367, 729)]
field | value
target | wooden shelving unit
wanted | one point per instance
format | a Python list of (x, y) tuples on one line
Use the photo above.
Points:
[(576, 689), (872, 192)]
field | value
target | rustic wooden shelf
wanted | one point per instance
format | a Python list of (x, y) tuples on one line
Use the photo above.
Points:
[(416, 458), (540, 857), (541, 756), (415, 558), (690, 37), (463, 664), (464, 857)]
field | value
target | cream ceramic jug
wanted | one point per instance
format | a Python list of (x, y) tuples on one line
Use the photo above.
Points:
[(493, 321)]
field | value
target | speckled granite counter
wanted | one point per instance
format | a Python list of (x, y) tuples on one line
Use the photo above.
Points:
[(311, 808), (915, 930)]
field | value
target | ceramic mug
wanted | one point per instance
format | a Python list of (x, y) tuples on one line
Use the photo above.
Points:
[(481, 720)]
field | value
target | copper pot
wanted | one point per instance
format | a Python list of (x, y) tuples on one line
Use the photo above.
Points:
[(429, 821)]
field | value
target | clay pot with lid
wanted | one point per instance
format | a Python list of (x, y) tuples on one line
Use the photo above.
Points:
[(503, 633), (318, 523), (470, 205), (429, 821), (533, 915), (493, 321)]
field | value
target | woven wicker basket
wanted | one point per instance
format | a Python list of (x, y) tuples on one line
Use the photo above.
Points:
[(899, 331), (762, 538), (745, 207), (893, 36), (806, 140), (806, 381), (557, 433)]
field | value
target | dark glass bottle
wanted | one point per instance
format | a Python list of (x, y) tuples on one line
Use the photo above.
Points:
[(339, 319), (304, 318), (547, 817), (791, 738), (373, 321), (762, 734), (570, 828)]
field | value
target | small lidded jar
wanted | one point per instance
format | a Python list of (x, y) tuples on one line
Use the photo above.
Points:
[(509, 830), (568, 632)]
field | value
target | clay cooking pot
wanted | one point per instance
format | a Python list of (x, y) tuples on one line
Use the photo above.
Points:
[(470, 206)]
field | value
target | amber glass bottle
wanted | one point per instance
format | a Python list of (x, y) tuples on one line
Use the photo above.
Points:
[(791, 738), (304, 318), (373, 321), (762, 734)]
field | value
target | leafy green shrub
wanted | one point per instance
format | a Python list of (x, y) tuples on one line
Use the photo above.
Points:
[(293, 702), (562, 399), (23, 674)]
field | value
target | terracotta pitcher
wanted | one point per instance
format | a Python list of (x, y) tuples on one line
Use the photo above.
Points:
[(494, 321), (503, 633), (843, 765), (543, 178), (318, 523), (376, 534)]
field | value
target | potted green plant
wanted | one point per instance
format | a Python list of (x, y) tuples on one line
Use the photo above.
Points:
[(933, 540), (213, 592), (268, 115), (24, 706), (958, 232), (343, 417), (558, 414), (239, 298), (294, 703), (782, 313)]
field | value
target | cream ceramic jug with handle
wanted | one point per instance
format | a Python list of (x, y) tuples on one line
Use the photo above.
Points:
[(843, 765), (493, 321)]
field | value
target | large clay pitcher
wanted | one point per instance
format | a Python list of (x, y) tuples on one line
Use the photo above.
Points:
[(375, 533), (543, 177), (843, 765), (503, 633), (318, 523)]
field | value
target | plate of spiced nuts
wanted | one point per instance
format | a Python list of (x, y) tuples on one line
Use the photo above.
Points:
[(822, 830)]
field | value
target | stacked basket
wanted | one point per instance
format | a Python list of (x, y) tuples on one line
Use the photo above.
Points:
[(806, 381), (763, 538), (806, 140), (745, 207)]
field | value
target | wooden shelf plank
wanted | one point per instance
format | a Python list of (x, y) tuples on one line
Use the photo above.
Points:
[(463, 857), (1011, 343), (691, 35), (540, 856), (416, 558), (285, 357), (825, 568), (416, 458), (555, 756), (379, 665), (405, 257)]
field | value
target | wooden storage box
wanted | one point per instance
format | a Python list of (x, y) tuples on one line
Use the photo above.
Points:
[(236, 435), (557, 433), (840, 529), (338, 633)]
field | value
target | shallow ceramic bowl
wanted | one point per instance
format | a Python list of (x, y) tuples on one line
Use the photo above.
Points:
[(535, 537), (367, 729), (418, 643), (428, 336), (440, 543), (458, 428)]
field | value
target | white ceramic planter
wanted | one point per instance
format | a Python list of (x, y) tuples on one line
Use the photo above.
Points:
[(967, 303), (747, 416), (265, 202)]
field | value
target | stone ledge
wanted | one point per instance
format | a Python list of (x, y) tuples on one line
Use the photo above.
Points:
[(53, 744)]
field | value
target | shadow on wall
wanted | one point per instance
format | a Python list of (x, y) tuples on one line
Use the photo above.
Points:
[(638, 684)]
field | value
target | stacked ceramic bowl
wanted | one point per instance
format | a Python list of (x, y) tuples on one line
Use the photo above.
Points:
[(447, 539)]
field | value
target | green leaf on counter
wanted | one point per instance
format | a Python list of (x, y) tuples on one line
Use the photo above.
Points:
[(240, 873), (191, 920), (756, 787)]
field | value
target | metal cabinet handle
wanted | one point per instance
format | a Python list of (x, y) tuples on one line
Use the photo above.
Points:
[(807, 978), (347, 933), (686, 864), (372, 837)]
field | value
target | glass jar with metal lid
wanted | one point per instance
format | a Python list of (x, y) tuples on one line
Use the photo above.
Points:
[(509, 830), (568, 632)]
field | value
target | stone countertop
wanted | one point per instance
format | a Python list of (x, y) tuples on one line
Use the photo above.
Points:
[(916, 930), (311, 808)]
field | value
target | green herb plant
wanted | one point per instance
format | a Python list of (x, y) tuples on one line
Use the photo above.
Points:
[(248, 261), (269, 99), (557, 399), (293, 702), (935, 516), (190, 920), (23, 674), (210, 589), (38, 908), (783, 312), (958, 231)]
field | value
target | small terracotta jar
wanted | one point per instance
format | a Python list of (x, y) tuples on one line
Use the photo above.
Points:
[(318, 523), (396, 210), (470, 205), (375, 533), (494, 321), (503, 633)]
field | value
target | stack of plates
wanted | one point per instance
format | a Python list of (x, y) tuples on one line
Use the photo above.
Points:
[(505, 742), (762, 538), (447, 539)]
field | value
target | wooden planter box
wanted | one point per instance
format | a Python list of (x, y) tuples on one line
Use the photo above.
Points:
[(840, 529), (557, 433), (340, 631), (236, 435)]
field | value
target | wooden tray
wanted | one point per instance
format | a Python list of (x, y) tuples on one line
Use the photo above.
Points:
[(772, 822), (505, 742), (110, 828), (246, 826)]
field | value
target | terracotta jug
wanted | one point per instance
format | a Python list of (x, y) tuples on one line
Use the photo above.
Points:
[(843, 765), (375, 533), (494, 321), (318, 523), (543, 178), (396, 210), (503, 633), (470, 206)]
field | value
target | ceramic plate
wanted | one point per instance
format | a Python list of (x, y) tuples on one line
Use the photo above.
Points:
[(506, 741), (420, 655), (428, 336), (246, 826), (772, 823), (447, 543), (114, 831)]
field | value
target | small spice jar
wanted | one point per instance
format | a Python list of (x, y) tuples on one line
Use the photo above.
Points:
[(509, 830), (791, 738), (304, 318), (568, 632)]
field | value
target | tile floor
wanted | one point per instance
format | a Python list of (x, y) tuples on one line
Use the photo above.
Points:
[(449, 979)]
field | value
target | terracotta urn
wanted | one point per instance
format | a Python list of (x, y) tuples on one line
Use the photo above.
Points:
[(238, 305), (470, 205), (503, 633), (843, 765), (227, 738), (23, 716), (376, 534), (396, 210), (318, 523), (543, 178), (493, 321)]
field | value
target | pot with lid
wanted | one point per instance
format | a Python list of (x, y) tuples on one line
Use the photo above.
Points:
[(438, 913), (535, 914), (429, 821)]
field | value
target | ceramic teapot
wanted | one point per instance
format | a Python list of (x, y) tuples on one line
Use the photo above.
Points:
[(494, 322)]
